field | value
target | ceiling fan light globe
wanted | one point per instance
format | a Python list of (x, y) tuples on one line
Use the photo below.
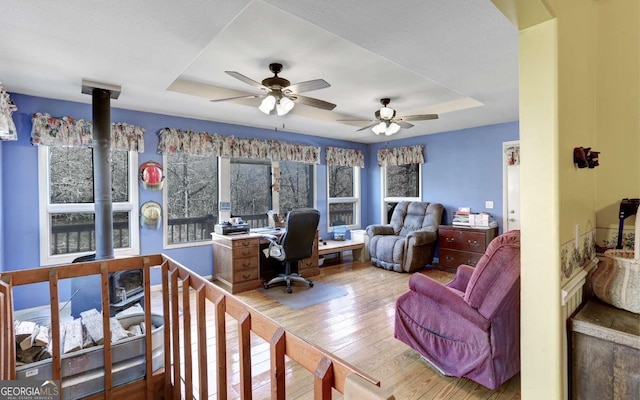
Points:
[(391, 129), (284, 105), (380, 128), (387, 113), (267, 104)]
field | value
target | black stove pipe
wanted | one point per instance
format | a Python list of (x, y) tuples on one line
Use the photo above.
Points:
[(102, 173)]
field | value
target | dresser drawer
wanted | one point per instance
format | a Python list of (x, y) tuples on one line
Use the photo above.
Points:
[(453, 258), (463, 240)]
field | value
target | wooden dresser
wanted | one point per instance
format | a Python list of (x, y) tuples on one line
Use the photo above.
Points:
[(605, 353), (462, 245), (239, 265)]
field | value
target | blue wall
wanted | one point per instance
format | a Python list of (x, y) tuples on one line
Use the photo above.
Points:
[(463, 168)]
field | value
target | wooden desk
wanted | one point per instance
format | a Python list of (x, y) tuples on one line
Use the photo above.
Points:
[(338, 246), (239, 265)]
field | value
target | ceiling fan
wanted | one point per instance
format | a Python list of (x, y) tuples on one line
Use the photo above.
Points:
[(386, 121), (280, 94)]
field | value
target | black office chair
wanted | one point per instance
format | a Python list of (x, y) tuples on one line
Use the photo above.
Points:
[(294, 245)]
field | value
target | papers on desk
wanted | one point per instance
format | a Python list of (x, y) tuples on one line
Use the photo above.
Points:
[(264, 230)]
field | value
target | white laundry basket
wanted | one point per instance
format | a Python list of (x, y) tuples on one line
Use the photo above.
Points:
[(617, 279)]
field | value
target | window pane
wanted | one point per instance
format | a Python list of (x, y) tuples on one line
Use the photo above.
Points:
[(192, 197), (402, 180), (71, 175), (296, 186), (119, 176), (75, 233), (340, 181), (341, 213), (250, 189)]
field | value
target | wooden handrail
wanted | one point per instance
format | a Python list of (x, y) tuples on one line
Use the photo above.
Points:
[(177, 377)]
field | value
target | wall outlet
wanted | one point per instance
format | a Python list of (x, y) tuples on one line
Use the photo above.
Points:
[(488, 204)]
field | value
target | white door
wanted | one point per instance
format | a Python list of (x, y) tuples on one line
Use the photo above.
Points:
[(511, 185)]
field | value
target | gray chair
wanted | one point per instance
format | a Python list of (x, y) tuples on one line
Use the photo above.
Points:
[(408, 242), (294, 245)]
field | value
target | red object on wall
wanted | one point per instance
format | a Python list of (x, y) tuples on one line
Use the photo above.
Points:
[(151, 175)]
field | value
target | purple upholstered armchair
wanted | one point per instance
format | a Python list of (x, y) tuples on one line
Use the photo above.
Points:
[(469, 327)]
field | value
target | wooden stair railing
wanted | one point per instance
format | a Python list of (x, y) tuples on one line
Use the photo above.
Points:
[(184, 335)]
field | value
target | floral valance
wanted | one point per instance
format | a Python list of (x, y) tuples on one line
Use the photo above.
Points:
[(7, 127), (401, 155), (208, 145), (344, 157), (69, 132)]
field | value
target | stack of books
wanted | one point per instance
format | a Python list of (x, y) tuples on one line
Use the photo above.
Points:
[(464, 217)]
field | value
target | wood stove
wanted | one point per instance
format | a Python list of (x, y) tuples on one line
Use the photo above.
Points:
[(125, 289)]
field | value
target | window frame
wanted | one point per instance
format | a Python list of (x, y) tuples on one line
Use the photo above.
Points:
[(355, 199), (47, 208), (393, 199)]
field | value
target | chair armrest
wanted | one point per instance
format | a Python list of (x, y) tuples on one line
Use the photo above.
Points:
[(463, 275), (271, 238), (373, 230), (442, 295), (423, 236)]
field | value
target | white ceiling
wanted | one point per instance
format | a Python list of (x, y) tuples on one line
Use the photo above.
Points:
[(457, 58)]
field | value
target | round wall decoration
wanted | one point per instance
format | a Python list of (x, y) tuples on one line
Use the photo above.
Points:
[(151, 175), (151, 215)]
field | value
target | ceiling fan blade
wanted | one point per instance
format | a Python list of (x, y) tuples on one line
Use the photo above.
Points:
[(310, 101), (421, 117), (246, 79), (250, 96), (368, 126), (403, 124), (307, 86)]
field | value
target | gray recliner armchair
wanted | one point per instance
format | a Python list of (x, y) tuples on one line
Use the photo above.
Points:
[(408, 243)]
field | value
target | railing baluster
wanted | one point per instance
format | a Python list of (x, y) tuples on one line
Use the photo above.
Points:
[(244, 345), (186, 320), (175, 326), (323, 380), (277, 365), (201, 308), (221, 347)]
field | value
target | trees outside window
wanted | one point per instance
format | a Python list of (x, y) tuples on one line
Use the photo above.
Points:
[(400, 182), (191, 198), (344, 196), (69, 220), (296, 186), (250, 187)]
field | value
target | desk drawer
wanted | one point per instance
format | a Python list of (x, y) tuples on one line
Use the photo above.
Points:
[(244, 275), (245, 242), (246, 262), (241, 252), (453, 258)]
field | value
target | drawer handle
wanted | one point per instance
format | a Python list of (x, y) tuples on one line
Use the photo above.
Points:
[(472, 242), (246, 253), (245, 242), (471, 263), (449, 240), (449, 258), (246, 264), (247, 276)]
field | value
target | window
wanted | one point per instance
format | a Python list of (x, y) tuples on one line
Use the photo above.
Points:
[(296, 186), (67, 226), (191, 190), (344, 196), (401, 182), (250, 190)]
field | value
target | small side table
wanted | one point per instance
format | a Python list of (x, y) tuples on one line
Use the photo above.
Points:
[(605, 353)]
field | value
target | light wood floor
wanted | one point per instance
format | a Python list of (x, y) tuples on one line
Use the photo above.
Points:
[(359, 329)]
